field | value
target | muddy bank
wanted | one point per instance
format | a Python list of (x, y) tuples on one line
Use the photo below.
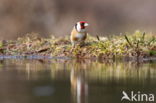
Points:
[(130, 46)]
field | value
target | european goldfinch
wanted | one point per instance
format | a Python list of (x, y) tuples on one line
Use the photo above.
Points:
[(79, 33)]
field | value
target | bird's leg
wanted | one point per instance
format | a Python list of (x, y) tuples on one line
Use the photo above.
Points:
[(82, 43), (73, 46)]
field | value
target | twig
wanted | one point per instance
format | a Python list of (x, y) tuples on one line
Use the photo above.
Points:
[(98, 38), (128, 41), (143, 36), (153, 39), (138, 44), (43, 50)]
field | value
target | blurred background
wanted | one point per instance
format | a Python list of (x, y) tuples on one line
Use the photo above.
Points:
[(57, 17)]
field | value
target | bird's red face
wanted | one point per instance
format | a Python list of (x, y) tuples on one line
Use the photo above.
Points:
[(81, 25)]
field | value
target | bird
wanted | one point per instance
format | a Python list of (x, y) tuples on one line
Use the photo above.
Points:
[(79, 33)]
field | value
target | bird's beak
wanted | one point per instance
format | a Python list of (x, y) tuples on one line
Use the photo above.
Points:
[(86, 24)]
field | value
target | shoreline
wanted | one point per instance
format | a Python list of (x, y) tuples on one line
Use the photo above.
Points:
[(39, 57), (134, 46)]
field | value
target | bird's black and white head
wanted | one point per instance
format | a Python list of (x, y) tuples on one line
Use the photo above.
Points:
[(81, 26)]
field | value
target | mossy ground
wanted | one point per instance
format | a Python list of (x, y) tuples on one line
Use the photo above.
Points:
[(137, 44)]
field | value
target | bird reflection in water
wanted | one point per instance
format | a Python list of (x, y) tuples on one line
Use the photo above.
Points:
[(79, 87)]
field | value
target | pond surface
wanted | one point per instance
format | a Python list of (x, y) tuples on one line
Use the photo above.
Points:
[(73, 81)]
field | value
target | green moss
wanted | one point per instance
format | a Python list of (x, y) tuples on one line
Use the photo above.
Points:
[(1, 44), (152, 52)]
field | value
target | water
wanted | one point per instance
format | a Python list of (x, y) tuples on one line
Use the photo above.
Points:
[(73, 81)]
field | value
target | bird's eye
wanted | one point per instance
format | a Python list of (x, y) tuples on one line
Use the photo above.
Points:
[(82, 24)]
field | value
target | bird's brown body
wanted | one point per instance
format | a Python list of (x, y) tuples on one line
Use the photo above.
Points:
[(78, 37)]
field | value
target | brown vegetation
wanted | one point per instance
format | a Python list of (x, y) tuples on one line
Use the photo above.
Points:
[(137, 45)]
